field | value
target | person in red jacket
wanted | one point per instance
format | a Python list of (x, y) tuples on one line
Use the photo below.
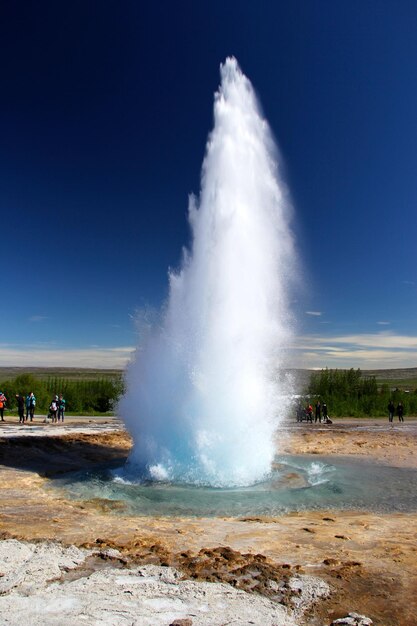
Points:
[(3, 401)]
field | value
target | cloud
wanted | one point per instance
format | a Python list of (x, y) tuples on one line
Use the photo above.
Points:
[(35, 356), (367, 351), (383, 339), (38, 318), (314, 313), (382, 349), (384, 323)]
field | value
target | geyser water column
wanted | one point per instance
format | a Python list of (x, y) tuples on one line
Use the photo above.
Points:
[(202, 399)]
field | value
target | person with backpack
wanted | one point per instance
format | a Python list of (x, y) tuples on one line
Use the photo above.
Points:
[(27, 406), (309, 413), (3, 401), (32, 404), (61, 408), (53, 408)]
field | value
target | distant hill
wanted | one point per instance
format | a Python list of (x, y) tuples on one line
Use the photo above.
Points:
[(67, 373), (406, 373), (403, 378)]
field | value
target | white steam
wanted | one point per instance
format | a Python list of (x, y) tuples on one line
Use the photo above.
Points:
[(202, 398)]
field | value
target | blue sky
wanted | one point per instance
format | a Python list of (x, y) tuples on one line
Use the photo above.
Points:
[(105, 111)]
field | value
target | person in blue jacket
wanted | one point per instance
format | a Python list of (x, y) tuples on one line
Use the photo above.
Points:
[(61, 408), (27, 406), (32, 404)]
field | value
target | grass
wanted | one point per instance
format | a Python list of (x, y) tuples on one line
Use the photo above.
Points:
[(66, 373), (404, 379)]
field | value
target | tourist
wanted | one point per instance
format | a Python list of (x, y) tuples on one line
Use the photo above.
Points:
[(61, 407), (324, 411), (391, 410), (32, 404), (53, 408), (20, 408), (309, 413), (27, 406), (300, 412), (400, 412), (318, 412), (3, 401)]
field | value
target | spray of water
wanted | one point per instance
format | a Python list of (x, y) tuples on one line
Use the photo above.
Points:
[(203, 399)]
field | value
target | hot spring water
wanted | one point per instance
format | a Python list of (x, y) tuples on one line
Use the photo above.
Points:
[(202, 400), (295, 484)]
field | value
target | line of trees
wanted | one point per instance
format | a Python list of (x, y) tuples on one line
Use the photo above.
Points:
[(348, 393), (82, 396)]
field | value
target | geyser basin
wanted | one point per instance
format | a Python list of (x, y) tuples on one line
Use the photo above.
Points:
[(295, 484), (203, 399)]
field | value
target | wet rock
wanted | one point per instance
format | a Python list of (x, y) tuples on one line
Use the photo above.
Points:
[(30, 565), (110, 553), (292, 480), (182, 622), (353, 619), (307, 590), (272, 585), (148, 595)]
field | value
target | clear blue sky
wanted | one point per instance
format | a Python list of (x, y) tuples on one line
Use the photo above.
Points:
[(105, 110)]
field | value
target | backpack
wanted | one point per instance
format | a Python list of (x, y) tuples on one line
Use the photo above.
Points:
[(53, 406)]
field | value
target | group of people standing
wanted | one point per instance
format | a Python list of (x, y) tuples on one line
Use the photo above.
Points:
[(399, 411), (320, 413), (57, 409), (27, 403), (26, 407)]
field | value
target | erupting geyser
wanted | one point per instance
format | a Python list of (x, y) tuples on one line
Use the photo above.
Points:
[(203, 399)]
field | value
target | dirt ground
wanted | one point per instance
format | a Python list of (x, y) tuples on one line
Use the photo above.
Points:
[(369, 560), (391, 444)]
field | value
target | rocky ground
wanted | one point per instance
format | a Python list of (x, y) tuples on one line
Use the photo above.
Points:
[(48, 584), (368, 561)]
